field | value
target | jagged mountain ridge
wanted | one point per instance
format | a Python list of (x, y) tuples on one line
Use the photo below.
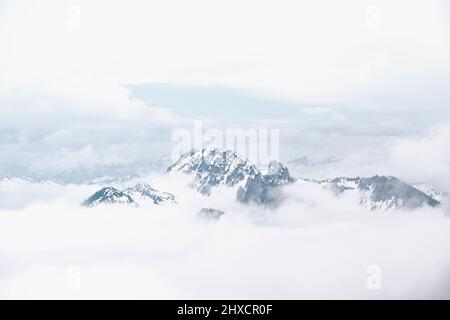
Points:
[(212, 168), (99, 173), (215, 167)]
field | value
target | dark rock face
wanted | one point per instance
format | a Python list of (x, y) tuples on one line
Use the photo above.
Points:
[(213, 168), (108, 195), (394, 193), (264, 189), (255, 190), (278, 174), (211, 213)]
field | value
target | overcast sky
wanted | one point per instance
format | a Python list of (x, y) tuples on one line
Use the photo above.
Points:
[(99, 83)]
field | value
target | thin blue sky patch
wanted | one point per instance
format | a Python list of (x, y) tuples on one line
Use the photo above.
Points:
[(220, 103)]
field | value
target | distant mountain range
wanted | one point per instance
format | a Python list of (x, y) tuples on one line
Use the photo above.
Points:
[(213, 168), (306, 162), (95, 174), (26, 180)]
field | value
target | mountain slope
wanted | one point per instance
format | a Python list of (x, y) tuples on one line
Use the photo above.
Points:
[(141, 193), (432, 191), (108, 195), (380, 192)]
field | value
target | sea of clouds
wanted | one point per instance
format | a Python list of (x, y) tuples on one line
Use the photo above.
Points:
[(313, 246)]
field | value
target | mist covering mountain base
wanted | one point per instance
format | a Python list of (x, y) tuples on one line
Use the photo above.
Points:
[(201, 245)]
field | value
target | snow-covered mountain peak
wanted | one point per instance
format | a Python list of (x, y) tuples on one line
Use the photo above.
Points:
[(214, 167), (143, 191)]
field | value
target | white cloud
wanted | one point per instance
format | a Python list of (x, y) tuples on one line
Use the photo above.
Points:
[(292, 49), (314, 246), (423, 158), (376, 71)]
